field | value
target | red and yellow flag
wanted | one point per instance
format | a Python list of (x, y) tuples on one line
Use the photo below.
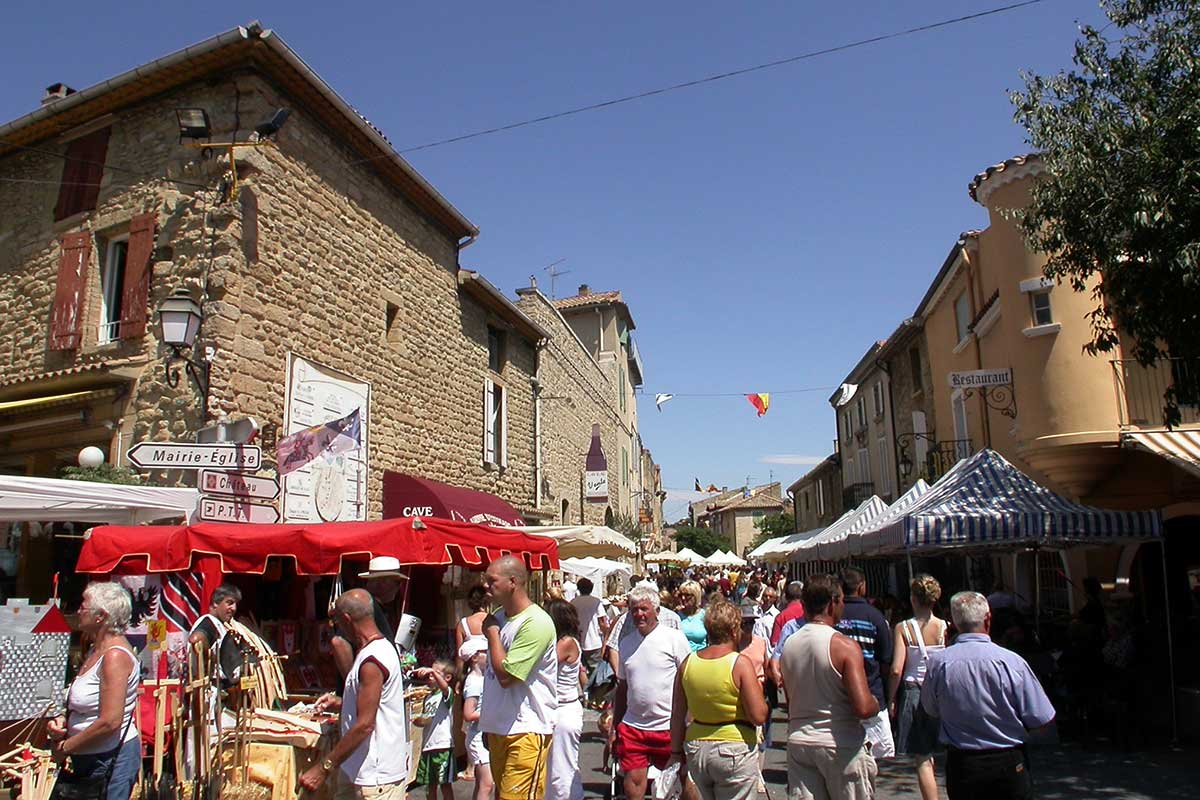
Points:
[(761, 402)]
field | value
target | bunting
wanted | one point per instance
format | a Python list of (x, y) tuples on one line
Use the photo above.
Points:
[(661, 398), (761, 402)]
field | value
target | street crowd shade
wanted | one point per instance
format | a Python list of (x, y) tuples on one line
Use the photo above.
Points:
[(193, 123), (179, 318)]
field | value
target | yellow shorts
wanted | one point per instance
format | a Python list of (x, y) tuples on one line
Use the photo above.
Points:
[(519, 765)]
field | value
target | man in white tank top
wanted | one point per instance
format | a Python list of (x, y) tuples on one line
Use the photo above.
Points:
[(373, 749), (828, 696)]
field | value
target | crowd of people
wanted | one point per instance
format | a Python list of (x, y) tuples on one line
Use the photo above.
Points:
[(686, 669)]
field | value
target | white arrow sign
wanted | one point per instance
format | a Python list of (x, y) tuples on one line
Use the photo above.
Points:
[(178, 455), (217, 509), (236, 484)]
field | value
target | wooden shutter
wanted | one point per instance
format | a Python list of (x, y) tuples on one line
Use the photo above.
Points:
[(489, 422), (503, 423), (83, 169), (66, 317), (135, 294)]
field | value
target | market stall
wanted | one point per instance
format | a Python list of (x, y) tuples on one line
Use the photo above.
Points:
[(597, 541), (287, 573)]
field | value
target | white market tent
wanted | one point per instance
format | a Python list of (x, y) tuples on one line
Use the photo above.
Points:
[(866, 541), (689, 556), (724, 559), (25, 499), (595, 569), (778, 550), (585, 540), (665, 557), (821, 546)]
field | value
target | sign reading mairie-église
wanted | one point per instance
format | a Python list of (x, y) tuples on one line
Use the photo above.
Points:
[(980, 378)]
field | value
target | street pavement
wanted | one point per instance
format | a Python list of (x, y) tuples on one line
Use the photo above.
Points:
[(1059, 771)]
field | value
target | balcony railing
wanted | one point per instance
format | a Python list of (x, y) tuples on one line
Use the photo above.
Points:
[(854, 494), (923, 456), (1142, 391)]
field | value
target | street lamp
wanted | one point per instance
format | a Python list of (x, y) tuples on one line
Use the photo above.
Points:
[(179, 318)]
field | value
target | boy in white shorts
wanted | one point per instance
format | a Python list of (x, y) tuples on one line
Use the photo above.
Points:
[(474, 657)]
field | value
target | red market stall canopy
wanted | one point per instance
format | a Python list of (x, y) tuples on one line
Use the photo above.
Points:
[(316, 548), (410, 496)]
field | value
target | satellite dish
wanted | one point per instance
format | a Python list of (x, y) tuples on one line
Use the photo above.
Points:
[(846, 393)]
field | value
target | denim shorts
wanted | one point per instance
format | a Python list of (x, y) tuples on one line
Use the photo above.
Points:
[(90, 768)]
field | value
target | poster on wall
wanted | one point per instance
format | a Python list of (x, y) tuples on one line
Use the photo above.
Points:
[(332, 487)]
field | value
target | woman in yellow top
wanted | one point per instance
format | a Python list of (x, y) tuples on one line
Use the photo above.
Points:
[(718, 689)]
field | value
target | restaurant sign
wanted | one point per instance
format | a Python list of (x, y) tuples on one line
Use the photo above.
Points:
[(980, 378)]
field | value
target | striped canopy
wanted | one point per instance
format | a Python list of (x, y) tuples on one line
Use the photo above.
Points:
[(985, 499), (866, 541), (827, 544), (779, 548)]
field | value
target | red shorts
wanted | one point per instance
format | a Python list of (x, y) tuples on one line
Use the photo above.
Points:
[(638, 749)]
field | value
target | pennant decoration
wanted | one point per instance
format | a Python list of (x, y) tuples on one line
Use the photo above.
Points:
[(329, 439), (661, 398), (761, 402), (698, 487), (713, 488)]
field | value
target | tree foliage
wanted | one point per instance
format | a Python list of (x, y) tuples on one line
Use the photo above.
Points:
[(773, 525), (105, 473), (1118, 211), (703, 541)]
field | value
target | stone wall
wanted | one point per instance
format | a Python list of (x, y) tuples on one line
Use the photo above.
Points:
[(576, 393), (912, 393), (306, 262)]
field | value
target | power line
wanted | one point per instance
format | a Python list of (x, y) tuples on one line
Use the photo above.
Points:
[(718, 77), (101, 164), (741, 394)]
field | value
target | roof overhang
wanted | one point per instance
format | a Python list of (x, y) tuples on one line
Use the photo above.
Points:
[(491, 298), (243, 47)]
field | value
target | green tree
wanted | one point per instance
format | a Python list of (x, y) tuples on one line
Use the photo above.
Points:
[(105, 473), (703, 541), (771, 526), (1119, 135)]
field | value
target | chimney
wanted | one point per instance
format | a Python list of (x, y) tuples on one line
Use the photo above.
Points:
[(56, 91), (584, 290)]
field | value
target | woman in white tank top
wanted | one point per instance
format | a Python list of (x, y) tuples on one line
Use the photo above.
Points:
[(915, 639), (98, 732), (469, 628), (563, 781)]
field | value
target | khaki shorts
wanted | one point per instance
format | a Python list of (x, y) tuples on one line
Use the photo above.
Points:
[(519, 764), (348, 791)]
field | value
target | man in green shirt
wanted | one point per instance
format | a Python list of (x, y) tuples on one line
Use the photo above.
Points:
[(519, 684)]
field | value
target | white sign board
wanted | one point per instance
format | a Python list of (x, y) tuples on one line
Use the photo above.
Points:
[(177, 455), (333, 489), (595, 486), (219, 509), (980, 378), (236, 484)]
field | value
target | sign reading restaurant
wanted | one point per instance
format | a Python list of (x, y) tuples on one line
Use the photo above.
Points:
[(980, 378)]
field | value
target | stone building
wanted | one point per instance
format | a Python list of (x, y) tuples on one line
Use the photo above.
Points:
[(333, 253), (736, 518), (918, 452), (586, 375), (817, 495), (865, 431)]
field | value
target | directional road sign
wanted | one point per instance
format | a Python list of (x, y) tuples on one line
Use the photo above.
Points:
[(219, 509), (180, 455), (235, 484)]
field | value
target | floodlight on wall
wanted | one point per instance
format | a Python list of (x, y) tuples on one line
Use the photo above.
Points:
[(193, 123), (179, 318)]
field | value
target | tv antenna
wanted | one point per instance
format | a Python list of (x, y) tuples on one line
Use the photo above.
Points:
[(553, 273)]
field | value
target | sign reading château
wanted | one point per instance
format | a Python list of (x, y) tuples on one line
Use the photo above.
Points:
[(980, 378), (237, 485)]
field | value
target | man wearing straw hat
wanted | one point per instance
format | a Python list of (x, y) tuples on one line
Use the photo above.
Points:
[(382, 580)]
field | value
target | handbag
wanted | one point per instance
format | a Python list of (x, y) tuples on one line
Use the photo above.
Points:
[(92, 789)]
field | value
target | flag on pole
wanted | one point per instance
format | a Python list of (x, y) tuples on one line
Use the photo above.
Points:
[(661, 398), (329, 438), (761, 402), (699, 488)]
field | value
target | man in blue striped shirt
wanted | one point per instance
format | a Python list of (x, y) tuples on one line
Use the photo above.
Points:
[(986, 699), (863, 623)]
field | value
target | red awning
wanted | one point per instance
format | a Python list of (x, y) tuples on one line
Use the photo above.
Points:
[(410, 496), (316, 549)]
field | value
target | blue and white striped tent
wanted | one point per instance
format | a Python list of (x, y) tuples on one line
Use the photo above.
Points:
[(984, 499), (822, 546), (867, 541)]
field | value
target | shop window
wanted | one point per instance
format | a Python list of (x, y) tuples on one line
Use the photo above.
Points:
[(496, 350), (495, 434), (1039, 303), (962, 316), (112, 283)]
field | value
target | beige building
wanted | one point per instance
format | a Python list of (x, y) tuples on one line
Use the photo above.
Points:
[(918, 454), (736, 517), (817, 496), (866, 435), (334, 254)]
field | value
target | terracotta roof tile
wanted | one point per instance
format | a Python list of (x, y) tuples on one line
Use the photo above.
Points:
[(1015, 161), (595, 298)]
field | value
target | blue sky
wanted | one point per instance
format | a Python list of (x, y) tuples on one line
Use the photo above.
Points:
[(763, 229)]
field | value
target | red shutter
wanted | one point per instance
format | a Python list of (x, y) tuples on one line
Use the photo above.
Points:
[(135, 293), (66, 318), (83, 169)]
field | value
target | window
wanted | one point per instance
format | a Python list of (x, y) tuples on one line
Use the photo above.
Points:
[(622, 372), (885, 475), (496, 347), (624, 467), (959, 407), (83, 169), (495, 427), (861, 406), (820, 497), (112, 284), (391, 324), (877, 396), (914, 366), (962, 315), (1039, 303), (806, 503)]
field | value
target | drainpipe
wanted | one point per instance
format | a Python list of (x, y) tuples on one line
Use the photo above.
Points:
[(536, 386)]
